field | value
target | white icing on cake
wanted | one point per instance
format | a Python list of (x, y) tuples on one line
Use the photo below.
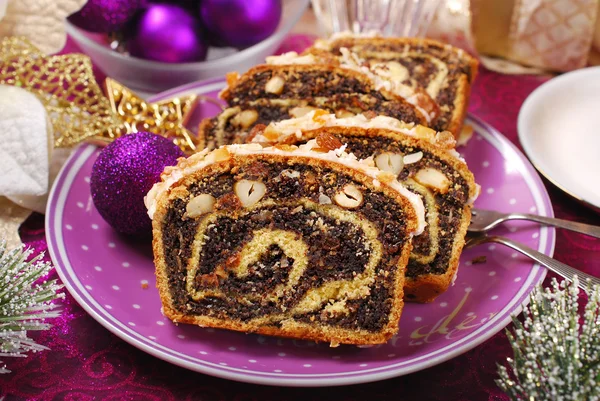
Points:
[(203, 159), (291, 58), (378, 74), (325, 44), (308, 122), (352, 61)]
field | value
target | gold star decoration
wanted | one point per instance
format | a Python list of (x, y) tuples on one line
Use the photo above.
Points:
[(65, 85), (76, 106), (166, 118)]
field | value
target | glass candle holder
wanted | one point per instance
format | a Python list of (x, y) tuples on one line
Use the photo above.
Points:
[(387, 17)]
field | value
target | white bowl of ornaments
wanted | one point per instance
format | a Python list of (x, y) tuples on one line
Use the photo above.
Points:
[(153, 45)]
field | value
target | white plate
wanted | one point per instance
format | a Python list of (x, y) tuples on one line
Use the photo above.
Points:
[(559, 128)]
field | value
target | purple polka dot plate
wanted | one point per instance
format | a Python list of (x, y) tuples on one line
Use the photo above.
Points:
[(112, 278)]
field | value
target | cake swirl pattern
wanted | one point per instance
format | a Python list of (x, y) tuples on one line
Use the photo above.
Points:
[(425, 162), (289, 256), (444, 71), (273, 242)]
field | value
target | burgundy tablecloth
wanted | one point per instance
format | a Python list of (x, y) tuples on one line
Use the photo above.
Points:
[(86, 362)]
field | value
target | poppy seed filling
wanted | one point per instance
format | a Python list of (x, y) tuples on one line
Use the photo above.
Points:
[(336, 249)]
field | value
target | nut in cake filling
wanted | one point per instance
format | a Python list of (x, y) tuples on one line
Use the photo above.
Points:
[(437, 68), (225, 129), (432, 249), (454, 58), (297, 84), (294, 258), (438, 79), (443, 189)]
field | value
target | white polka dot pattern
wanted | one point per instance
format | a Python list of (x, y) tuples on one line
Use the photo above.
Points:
[(119, 278)]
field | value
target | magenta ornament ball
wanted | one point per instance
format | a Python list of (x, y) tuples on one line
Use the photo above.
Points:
[(167, 33), (123, 174), (240, 23), (106, 15)]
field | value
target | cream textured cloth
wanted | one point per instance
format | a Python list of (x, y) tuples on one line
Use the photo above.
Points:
[(25, 138), (40, 21), (523, 36)]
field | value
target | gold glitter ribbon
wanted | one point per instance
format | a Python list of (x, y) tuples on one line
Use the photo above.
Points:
[(64, 84), (76, 106)]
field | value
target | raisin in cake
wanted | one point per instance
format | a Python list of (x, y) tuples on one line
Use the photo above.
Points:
[(444, 71), (283, 241), (273, 92), (425, 162)]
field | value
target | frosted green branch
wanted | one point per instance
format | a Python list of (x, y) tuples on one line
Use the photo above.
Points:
[(555, 357), (25, 303)]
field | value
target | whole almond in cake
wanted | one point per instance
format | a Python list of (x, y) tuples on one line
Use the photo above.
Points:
[(426, 163), (287, 242)]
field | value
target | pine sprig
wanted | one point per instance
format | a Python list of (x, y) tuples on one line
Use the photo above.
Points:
[(555, 357), (25, 303)]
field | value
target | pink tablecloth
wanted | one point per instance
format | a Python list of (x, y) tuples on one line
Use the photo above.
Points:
[(89, 363)]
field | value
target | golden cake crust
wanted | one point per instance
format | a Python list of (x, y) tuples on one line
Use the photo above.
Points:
[(294, 329)]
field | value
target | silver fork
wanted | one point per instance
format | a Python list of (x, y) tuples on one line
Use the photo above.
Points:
[(557, 267), (484, 220)]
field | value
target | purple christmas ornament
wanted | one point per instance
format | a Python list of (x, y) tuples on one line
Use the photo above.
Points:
[(123, 174), (106, 15), (166, 33), (240, 23)]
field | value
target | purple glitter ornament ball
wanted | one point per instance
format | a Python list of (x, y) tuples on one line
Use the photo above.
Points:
[(240, 23), (106, 15), (167, 33), (123, 174)]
